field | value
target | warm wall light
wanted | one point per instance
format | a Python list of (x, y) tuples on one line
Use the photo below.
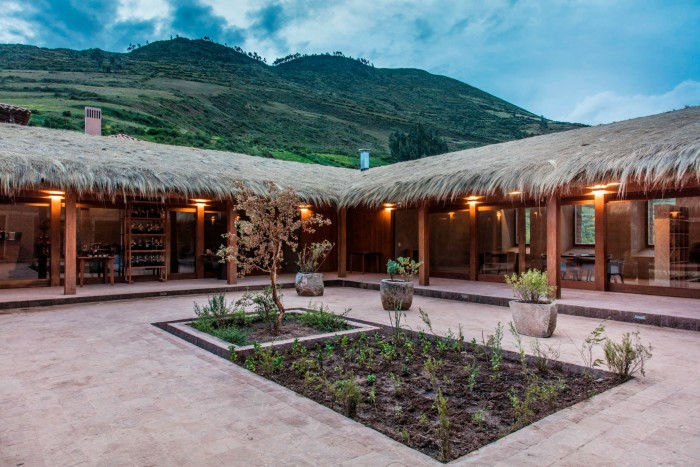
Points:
[(304, 207), (513, 193), (451, 214), (388, 206), (473, 198), (55, 192), (599, 192)]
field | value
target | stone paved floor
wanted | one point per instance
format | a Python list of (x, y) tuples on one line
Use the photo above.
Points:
[(96, 384)]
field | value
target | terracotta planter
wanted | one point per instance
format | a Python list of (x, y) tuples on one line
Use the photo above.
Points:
[(534, 319), (395, 292), (309, 284)]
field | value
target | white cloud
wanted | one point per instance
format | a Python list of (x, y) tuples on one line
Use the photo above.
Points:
[(14, 30), (142, 10), (606, 107)]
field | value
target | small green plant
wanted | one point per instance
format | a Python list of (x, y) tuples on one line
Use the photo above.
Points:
[(322, 318), (397, 385), (479, 417), (371, 378), (544, 355), (494, 345), (593, 340), (472, 375), (265, 360), (348, 395), (519, 345), (395, 318), (312, 256), (432, 366), (443, 428), (423, 420), (407, 268), (628, 356), (216, 310), (531, 287), (405, 436)]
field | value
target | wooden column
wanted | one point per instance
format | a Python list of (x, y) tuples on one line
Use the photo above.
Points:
[(522, 241), (424, 244), (554, 243), (199, 242), (55, 239), (231, 242), (601, 247), (70, 247), (473, 244), (342, 242)]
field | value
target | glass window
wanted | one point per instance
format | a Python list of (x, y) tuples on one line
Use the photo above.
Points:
[(650, 216), (672, 260), (182, 250), (584, 224), (24, 242), (449, 242), (498, 252), (214, 229)]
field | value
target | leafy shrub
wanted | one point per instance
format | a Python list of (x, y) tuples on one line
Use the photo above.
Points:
[(407, 268), (531, 287), (628, 356), (443, 427), (322, 318), (312, 256), (347, 393), (217, 310)]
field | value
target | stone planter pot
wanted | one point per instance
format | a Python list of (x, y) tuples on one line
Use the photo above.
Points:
[(534, 319), (393, 292), (309, 284)]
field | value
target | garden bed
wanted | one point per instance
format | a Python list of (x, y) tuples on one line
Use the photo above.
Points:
[(442, 396)]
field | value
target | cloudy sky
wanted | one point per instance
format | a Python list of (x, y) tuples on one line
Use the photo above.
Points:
[(590, 61)]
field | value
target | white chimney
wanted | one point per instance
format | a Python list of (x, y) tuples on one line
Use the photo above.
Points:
[(93, 121), (364, 159)]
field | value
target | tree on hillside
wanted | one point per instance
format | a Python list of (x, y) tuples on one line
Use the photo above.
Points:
[(420, 141)]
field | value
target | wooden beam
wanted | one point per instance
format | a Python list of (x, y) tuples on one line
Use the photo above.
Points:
[(231, 242), (70, 248), (601, 247), (424, 244), (554, 243), (473, 244), (55, 239), (199, 242), (522, 241), (342, 242)]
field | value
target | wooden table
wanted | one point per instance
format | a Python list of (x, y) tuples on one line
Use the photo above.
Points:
[(364, 255), (107, 264)]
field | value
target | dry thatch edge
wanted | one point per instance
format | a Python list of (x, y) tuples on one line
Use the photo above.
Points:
[(108, 168), (661, 149), (664, 148)]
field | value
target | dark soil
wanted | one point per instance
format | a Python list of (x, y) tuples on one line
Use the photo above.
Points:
[(290, 329), (398, 393)]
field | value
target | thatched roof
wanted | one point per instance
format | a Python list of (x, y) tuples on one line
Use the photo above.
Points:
[(649, 150), (36, 158), (14, 114)]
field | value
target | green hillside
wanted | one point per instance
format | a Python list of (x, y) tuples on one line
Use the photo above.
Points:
[(316, 109)]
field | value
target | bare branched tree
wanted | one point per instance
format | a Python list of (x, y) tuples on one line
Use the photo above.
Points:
[(271, 222)]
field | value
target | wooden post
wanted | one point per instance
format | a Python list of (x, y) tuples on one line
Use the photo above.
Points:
[(70, 254), (554, 242), (55, 239), (342, 242), (199, 242), (231, 242), (522, 240), (424, 244), (473, 243), (601, 247)]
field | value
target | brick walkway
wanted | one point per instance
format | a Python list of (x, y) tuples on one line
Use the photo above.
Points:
[(96, 384)]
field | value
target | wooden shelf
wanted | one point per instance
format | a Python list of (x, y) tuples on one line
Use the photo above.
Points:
[(131, 253)]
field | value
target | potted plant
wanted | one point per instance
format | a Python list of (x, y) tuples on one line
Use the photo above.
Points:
[(397, 294), (534, 311), (309, 282)]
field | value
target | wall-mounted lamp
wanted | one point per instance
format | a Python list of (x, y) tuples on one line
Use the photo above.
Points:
[(304, 207), (514, 193), (388, 206)]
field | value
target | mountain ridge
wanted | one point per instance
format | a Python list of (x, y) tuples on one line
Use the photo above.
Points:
[(314, 108)]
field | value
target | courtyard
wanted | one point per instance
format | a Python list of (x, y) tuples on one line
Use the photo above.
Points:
[(97, 384)]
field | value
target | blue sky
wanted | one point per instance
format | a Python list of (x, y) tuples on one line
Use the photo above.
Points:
[(592, 61)]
